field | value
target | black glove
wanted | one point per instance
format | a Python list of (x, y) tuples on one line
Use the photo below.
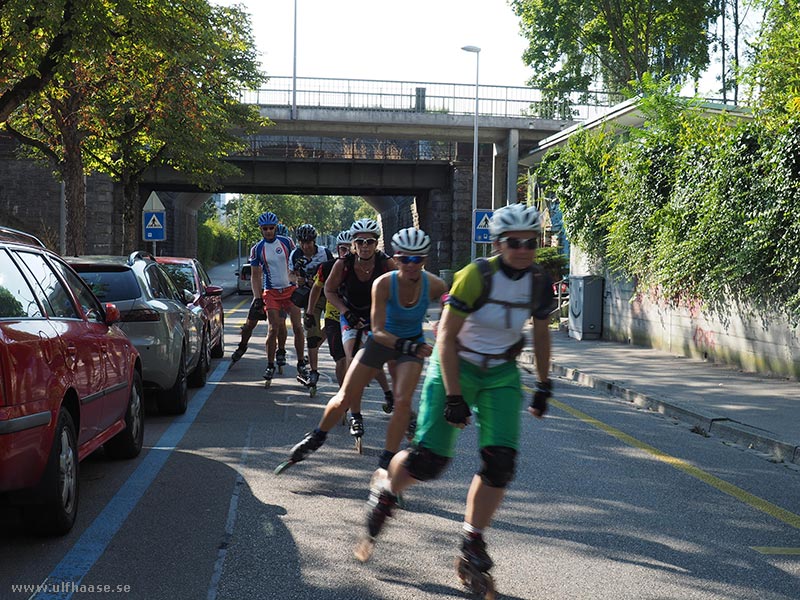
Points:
[(309, 321), (456, 411), (542, 391), (258, 304), (353, 319), (406, 346)]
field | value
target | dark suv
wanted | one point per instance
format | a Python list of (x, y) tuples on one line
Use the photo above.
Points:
[(70, 382)]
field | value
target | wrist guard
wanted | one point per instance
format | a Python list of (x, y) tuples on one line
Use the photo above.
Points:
[(456, 410), (309, 321), (258, 303), (406, 346), (541, 392)]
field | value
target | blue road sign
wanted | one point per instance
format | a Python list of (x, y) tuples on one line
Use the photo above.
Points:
[(480, 226), (155, 225)]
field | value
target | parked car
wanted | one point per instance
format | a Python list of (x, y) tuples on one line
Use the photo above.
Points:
[(243, 280), (70, 382), (190, 274), (157, 319)]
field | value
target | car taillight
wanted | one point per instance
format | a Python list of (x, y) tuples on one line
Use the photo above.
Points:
[(141, 314)]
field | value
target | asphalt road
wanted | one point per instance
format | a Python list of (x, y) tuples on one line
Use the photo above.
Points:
[(608, 502)]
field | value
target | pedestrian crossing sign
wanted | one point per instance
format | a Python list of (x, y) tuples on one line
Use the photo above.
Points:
[(480, 226), (155, 226)]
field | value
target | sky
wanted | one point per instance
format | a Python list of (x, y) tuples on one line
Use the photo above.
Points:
[(402, 40)]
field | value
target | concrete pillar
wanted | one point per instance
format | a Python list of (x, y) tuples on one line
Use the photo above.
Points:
[(505, 170), (512, 162)]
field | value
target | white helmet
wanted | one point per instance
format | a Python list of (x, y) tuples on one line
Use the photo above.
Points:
[(411, 241), (344, 238), (365, 226), (514, 217)]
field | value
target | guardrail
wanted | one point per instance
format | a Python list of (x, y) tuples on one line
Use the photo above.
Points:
[(447, 98)]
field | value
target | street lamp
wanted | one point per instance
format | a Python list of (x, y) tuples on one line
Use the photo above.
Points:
[(477, 51), (294, 66)]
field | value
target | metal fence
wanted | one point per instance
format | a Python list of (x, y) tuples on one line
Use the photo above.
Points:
[(446, 98), (314, 148)]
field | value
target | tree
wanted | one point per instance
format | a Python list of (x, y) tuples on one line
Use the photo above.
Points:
[(580, 44), (775, 72), (36, 36)]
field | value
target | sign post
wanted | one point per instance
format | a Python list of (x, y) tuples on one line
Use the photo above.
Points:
[(154, 221)]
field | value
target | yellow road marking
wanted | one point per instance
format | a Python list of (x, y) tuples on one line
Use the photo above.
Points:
[(235, 308), (723, 486), (776, 550)]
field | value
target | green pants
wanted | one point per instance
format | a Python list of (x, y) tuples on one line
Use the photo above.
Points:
[(494, 395)]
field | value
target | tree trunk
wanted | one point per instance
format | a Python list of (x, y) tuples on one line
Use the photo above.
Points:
[(132, 214), (75, 197)]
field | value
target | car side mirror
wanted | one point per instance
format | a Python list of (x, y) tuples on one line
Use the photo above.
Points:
[(187, 296), (213, 290), (112, 314)]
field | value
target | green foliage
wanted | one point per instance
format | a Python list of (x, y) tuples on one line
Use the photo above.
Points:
[(554, 261), (695, 208), (216, 242), (575, 44)]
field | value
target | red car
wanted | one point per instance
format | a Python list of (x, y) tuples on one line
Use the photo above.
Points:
[(70, 382), (189, 274)]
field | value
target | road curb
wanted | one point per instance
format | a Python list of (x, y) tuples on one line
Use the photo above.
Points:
[(710, 424)]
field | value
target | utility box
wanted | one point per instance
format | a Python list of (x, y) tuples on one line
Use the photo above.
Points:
[(586, 307)]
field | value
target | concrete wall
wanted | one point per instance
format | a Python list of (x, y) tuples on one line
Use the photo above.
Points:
[(741, 337)]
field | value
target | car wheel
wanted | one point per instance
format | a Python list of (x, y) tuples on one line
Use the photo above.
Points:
[(56, 496), (175, 400), (128, 442), (218, 351), (199, 375)]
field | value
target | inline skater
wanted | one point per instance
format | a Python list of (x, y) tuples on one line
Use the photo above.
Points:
[(333, 328), (349, 289), (474, 369), (400, 300), (269, 260), (304, 261)]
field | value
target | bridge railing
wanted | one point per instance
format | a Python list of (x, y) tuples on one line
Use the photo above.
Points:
[(314, 148), (447, 98)]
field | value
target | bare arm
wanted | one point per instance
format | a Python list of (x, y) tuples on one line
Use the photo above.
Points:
[(541, 348), (377, 315), (256, 280), (316, 291), (449, 327), (332, 284)]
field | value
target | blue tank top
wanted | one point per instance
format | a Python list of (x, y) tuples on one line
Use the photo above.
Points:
[(406, 321)]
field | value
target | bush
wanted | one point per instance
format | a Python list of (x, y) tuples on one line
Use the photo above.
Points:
[(554, 261)]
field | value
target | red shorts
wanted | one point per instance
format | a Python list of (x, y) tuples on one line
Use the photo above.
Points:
[(279, 299)]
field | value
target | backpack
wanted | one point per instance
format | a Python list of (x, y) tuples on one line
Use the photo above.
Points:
[(538, 285)]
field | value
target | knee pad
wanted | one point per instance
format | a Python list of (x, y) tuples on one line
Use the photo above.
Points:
[(423, 465), (313, 342), (497, 465)]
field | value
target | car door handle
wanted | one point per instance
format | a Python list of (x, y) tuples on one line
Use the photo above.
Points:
[(72, 350)]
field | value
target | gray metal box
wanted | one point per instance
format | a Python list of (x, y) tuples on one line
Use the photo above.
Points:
[(586, 306)]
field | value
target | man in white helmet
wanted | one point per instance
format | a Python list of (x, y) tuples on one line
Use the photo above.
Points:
[(474, 369)]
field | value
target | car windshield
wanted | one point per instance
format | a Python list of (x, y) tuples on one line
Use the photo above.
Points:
[(110, 285), (182, 275)]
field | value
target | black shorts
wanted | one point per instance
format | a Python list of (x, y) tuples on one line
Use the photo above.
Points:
[(376, 355), (333, 332)]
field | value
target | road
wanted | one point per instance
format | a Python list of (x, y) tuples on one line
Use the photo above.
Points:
[(608, 502)]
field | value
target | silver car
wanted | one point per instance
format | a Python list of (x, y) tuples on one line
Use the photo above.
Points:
[(155, 316)]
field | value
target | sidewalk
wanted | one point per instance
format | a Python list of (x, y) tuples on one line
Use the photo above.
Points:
[(756, 411)]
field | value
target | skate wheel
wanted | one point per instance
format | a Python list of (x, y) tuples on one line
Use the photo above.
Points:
[(364, 549), (359, 445), (283, 466), (478, 583)]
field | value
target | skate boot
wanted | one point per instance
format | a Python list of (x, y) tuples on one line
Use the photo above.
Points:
[(388, 402), (310, 443), (269, 372), (302, 371), (412, 426), (238, 353), (380, 505), (280, 359), (473, 567), (357, 431), (313, 377)]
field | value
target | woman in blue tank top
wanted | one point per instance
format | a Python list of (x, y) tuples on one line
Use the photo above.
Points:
[(400, 300)]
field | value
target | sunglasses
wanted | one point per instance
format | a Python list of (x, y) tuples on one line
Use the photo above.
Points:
[(410, 260), (517, 243), (367, 241), (267, 227)]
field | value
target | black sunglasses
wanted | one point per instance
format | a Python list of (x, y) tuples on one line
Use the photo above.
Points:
[(413, 260), (517, 243), (367, 241)]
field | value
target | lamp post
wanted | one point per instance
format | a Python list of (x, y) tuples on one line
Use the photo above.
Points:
[(477, 51), (294, 66)]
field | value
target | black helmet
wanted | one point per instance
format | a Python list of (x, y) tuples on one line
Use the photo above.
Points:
[(306, 233)]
